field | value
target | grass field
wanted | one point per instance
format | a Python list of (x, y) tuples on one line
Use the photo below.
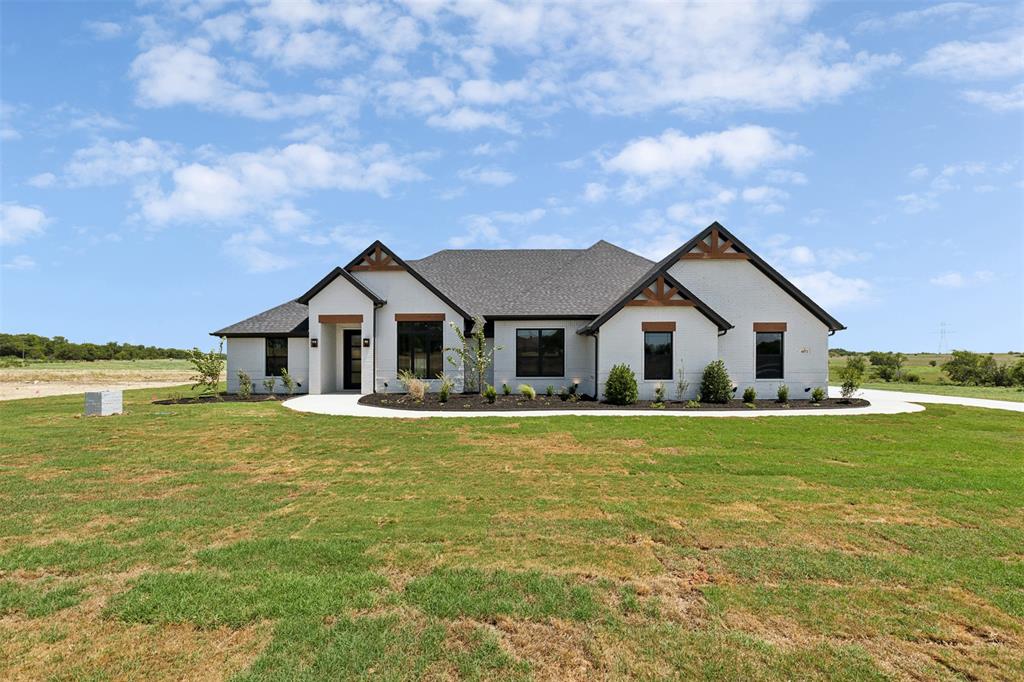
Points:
[(104, 365), (245, 540), (933, 380)]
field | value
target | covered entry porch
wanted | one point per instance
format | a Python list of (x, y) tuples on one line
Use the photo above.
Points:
[(343, 349)]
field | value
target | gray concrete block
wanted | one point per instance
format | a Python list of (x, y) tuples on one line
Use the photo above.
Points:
[(103, 403)]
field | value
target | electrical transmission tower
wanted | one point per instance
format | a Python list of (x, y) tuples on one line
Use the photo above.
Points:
[(944, 332)]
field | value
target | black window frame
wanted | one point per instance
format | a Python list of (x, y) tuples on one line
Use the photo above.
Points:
[(542, 370), (647, 363), (426, 330), (273, 361), (767, 373)]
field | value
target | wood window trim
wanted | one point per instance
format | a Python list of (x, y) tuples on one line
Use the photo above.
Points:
[(340, 319), (658, 326), (419, 317), (769, 326)]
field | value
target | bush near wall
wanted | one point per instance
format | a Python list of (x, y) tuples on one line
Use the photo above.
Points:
[(715, 384), (621, 388)]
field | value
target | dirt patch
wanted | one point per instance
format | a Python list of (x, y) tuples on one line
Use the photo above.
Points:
[(222, 398), (556, 650), (557, 443), (12, 390), (743, 511), (503, 403)]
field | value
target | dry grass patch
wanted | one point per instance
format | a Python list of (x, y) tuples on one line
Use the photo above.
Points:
[(556, 649)]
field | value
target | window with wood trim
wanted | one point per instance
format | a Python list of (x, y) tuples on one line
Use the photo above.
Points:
[(657, 355), (420, 348), (276, 356), (768, 355), (540, 352)]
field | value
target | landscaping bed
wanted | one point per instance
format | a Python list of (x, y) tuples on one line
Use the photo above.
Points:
[(221, 398), (477, 403)]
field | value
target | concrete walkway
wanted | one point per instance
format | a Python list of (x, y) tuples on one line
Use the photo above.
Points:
[(882, 402)]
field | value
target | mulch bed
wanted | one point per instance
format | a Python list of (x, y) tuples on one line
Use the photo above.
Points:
[(222, 398), (477, 403)]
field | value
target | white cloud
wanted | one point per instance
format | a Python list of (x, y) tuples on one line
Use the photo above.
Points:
[(919, 172), (289, 49), (239, 184), (956, 280), (466, 118), (832, 291), (489, 229), (788, 177), (167, 75), (498, 177), (595, 192), (702, 212), (492, 149), (767, 199), (254, 250), (42, 180), (18, 223), (1010, 100), (21, 262), (674, 155), (917, 202), (287, 218), (946, 11), (104, 30), (421, 95), (489, 92), (107, 162), (960, 60)]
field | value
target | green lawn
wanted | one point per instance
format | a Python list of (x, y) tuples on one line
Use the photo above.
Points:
[(249, 541), (933, 379)]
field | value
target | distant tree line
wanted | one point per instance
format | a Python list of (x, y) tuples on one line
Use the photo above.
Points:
[(35, 347), (964, 367)]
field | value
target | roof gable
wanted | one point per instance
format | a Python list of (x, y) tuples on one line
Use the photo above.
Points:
[(716, 242), (333, 275), (379, 258), (659, 288)]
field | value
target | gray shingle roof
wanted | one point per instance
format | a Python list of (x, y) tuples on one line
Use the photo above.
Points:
[(544, 282), (287, 319), (498, 283)]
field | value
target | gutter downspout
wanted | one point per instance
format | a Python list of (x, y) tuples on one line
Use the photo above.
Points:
[(373, 350), (596, 390)]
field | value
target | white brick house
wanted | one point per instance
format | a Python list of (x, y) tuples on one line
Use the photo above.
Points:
[(560, 317)]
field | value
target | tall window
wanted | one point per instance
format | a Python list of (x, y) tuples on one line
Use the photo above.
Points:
[(420, 346), (768, 352), (657, 355), (540, 352), (277, 356)]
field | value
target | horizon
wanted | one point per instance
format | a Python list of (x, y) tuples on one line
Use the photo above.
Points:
[(204, 162)]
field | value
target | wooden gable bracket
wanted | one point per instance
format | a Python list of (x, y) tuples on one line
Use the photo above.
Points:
[(660, 295), (377, 260), (714, 248)]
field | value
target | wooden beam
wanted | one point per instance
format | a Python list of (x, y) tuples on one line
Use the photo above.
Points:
[(341, 319), (658, 326), (655, 302), (419, 317), (769, 326)]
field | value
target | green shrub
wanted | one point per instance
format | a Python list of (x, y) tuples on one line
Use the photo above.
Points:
[(715, 384), (693, 403), (550, 390), (491, 394), (268, 384), (659, 393), (447, 383), (526, 390), (1017, 373), (817, 394), (207, 368), (564, 394), (749, 394), (620, 387), (244, 385), (783, 393), (287, 381), (506, 389), (851, 376), (911, 378)]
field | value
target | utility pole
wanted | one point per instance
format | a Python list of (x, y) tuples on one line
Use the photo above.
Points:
[(944, 331)]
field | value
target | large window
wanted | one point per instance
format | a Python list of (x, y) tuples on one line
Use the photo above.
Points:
[(420, 346), (768, 350), (277, 356), (657, 355), (540, 352)]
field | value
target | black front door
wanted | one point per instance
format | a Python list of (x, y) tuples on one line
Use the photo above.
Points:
[(352, 360)]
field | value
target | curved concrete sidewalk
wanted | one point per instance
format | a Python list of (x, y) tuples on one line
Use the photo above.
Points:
[(882, 402)]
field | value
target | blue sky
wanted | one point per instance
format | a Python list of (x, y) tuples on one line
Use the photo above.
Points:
[(169, 168)]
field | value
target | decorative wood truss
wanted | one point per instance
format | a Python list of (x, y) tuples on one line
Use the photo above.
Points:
[(375, 260), (660, 294), (714, 247)]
